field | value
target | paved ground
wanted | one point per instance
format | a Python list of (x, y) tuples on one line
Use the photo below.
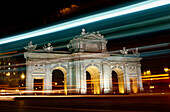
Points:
[(79, 103)]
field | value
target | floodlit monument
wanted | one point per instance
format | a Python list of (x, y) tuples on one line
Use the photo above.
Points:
[(87, 69)]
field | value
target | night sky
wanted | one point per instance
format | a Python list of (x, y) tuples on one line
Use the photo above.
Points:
[(16, 17)]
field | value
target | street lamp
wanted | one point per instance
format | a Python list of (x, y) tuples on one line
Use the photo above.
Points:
[(8, 74), (22, 76), (144, 73), (166, 69), (148, 72)]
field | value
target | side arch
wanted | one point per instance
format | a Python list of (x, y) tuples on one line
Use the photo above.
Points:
[(63, 69), (59, 65)]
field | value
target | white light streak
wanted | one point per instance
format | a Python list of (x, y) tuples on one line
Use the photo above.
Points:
[(89, 19)]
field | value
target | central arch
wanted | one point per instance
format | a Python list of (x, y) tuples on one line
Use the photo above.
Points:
[(59, 77), (115, 85), (93, 80), (119, 80)]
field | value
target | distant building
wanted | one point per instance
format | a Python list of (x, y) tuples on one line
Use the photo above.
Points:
[(9, 71), (156, 83), (87, 69)]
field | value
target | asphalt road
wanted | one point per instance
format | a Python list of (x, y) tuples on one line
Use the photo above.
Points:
[(83, 103)]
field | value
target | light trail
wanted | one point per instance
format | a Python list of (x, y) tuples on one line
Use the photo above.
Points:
[(138, 25), (89, 19), (155, 53), (8, 52), (58, 96), (161, 78), (123, 32), (155, 75), (144, 27), (155, 46)]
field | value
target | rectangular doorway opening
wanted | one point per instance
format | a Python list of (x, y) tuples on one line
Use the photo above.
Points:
[(38, 84)]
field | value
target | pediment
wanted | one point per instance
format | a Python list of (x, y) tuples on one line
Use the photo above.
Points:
[(88, 42), (92, 37)]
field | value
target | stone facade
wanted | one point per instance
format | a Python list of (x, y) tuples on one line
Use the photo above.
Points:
[(88, 53)]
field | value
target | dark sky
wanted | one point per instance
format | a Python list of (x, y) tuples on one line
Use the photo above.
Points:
[(16, 17)]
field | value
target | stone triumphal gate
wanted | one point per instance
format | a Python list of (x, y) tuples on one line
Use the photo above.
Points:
[(88, 65)]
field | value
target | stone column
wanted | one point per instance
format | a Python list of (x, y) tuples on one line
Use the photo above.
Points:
[(85, 85), (48, 78), (83, 78), (106, 73), (74, 87), (101, 81), (77, 76), (29, 77), (69, 77), (139, 78), (127, 79)]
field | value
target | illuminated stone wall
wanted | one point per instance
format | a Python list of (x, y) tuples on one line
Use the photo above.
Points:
[(127, 68), (93, 59)]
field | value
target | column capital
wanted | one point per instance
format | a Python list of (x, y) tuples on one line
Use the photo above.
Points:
[(105, 62), (126, 64), (47, 61), (139, 65)]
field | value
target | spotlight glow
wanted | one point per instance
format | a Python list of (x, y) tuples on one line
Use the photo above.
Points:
[(89, 19)]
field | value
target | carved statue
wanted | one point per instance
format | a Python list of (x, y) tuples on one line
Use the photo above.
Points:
[(48, 48), (30, 47), (124, 51), (136, 52), (83, 31)]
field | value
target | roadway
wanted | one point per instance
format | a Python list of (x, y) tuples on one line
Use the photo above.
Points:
[(143, 102)]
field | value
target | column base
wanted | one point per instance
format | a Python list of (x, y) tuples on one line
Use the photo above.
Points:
[(83, 91), (128, 91), (106, 91), (141, 89)]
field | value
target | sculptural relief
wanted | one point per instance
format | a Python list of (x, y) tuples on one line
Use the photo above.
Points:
[(39, 68), (132, 69)]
